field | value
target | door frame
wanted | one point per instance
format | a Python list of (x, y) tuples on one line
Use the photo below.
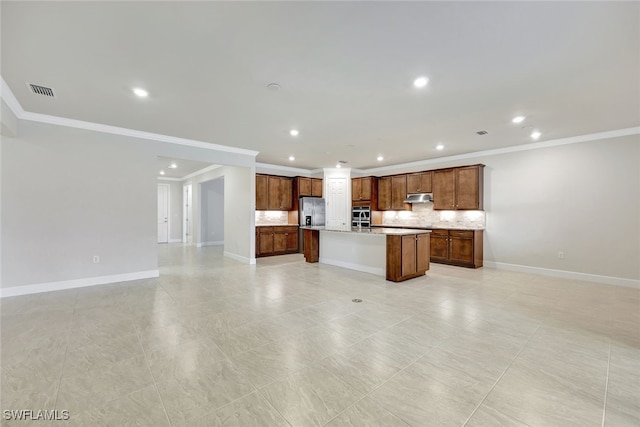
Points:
[(187, 211), (168, 187)]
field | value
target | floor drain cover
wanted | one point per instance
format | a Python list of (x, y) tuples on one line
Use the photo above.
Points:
[(356, 300)]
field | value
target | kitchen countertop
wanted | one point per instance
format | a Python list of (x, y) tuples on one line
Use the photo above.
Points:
[(429, 228), (378, 231), (276, 225)]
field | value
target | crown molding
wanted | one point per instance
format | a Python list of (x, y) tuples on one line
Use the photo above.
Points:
[(14, 105), (512, 149), (19, 112), (526, 147), (167, 178), (12, 102)]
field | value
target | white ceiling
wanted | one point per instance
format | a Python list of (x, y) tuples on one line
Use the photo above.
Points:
[(345, 69), (182, 169)]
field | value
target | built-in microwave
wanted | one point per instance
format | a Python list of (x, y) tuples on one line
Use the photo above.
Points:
[(361, 216)]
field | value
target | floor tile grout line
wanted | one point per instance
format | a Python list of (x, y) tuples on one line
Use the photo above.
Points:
[(155, 382), (256, 388), (502, 375), (606, 387), (389, 379)]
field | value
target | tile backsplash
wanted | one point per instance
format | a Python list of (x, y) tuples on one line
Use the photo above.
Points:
[(272, 218), (423, 215)]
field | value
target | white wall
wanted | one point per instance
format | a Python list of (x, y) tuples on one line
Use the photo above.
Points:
[(212, 212), (582, 199), (68, 195)]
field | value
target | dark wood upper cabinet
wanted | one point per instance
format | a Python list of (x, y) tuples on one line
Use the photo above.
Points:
[(392, 191), (443, 190), (273, 193), (316, 187), (419, 182), (303, 187), (469, 187), (384, 193), (399, 193), (364, 189), (262, 193), (458, 188)]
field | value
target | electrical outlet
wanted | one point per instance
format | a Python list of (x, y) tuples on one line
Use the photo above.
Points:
[(561, 255), (96, 259)]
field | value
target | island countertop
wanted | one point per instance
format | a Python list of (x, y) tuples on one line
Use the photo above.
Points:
[(378, 231)]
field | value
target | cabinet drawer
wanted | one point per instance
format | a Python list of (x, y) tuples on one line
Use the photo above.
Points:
[(285, 229), (444, 233), (461, 233)]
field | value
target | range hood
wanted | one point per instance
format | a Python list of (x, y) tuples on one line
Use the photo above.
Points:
[(419, 198)]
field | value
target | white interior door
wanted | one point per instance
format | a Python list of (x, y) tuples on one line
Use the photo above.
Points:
[(163, 213), (337, 208)]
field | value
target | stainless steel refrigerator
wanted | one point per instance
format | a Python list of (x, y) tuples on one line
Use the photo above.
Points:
[(311, 211)]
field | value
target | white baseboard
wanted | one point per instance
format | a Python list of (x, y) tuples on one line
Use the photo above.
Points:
[(240, 258), (357, 267), (607, 280), (175, 240), (216, 243), (76, 283)]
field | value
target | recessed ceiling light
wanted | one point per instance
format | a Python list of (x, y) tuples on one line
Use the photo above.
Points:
[(173, 166), (161, 172), (380, 158), (294, 132), (439, 147), (338, 165), (291, 158), (273, 86), (420, 82), (518, 119), (140, 92), (535, 134)]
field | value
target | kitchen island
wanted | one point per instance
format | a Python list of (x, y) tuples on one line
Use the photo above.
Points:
[(396, 253)]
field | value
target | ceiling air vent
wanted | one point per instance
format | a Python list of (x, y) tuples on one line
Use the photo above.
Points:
[(482, 132), (41, 90)]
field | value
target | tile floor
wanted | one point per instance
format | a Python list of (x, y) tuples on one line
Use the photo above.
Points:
[(213, 342)]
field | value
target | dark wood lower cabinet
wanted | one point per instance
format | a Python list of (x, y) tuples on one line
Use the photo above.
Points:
[(407, 256), (276, 240), (457, 247)]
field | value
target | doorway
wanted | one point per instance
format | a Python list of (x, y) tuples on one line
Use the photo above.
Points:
[(211, 197)]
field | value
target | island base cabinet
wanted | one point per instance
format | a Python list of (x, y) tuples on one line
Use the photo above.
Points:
[(311, 245), (407, 256)]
